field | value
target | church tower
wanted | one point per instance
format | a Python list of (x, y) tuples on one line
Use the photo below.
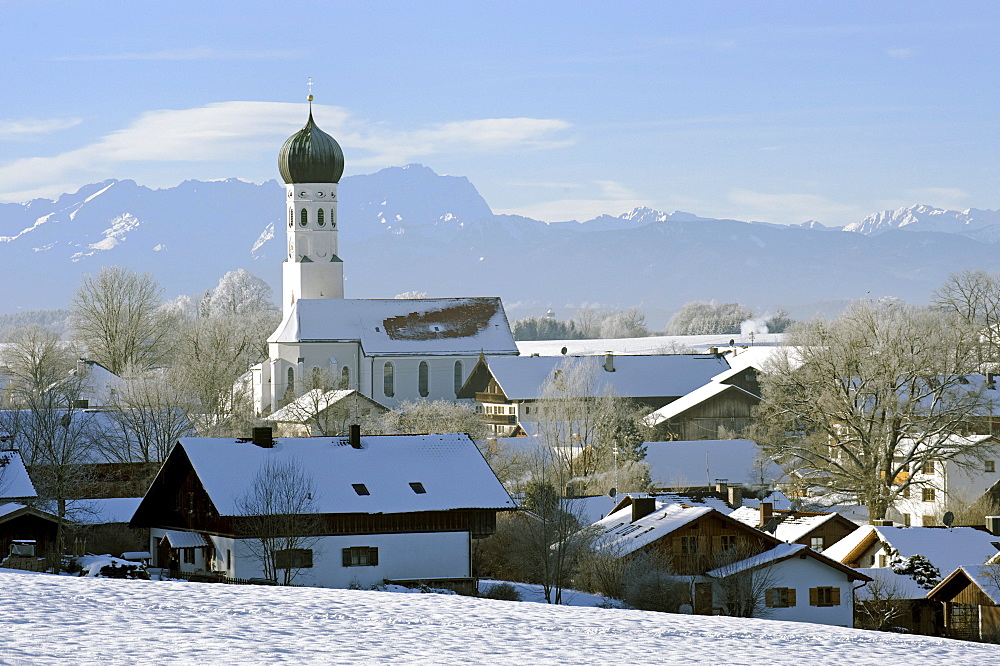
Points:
[(311, 163)]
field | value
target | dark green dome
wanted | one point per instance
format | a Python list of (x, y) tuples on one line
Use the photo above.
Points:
[(311, 156)]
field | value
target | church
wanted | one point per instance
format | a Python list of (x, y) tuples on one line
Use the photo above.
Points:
[(390, 350)]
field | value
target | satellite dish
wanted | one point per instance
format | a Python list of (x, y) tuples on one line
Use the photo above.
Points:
[(613, 492), (948, 518)]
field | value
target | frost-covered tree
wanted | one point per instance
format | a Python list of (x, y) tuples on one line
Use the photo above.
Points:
[(240, 292), (712, 318), (919, 568)]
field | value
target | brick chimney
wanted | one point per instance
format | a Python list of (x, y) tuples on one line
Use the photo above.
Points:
[(735, 496), (355, 437), (766, 512), (263, 437)]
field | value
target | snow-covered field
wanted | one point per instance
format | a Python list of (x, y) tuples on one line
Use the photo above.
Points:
[(48, 619)]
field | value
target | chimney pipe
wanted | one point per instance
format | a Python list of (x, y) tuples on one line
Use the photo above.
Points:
[(991, 380), (735, 496), (642, 506), (722, 486), (609, 361), (766, 512), (263, 437), (355, 437), (993, 525)]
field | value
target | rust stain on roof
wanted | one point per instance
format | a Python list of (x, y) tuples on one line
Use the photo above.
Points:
[(465, 319)]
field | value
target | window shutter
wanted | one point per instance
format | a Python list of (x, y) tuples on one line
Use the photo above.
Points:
[(834, 596), (346, 554), (814, 596), (373, 557), (791, 596), (771, 597)]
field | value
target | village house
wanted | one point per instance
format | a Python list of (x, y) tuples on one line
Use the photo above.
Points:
[(720, 407), (816, 529), (393, 507), (507, 390), (318, 413), (718, 557), (970, 596)]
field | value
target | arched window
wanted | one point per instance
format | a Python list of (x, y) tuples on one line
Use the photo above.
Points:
[(423, 379), (303, 217), (291, 380), (333, 218), (388, 380), (458, 377), (319, 217), (291, 217), (345, 377)]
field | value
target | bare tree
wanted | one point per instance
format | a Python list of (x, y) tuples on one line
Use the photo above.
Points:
[(860, 402), (743, 578), (433, 416), (974, 297), (34, 358), (880, 603), (278, 522), (116, 315)]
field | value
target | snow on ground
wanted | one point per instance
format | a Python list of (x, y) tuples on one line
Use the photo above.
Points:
[(64, 620)]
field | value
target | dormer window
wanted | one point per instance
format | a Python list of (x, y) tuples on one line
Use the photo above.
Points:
[(418, 487), (360, 488)]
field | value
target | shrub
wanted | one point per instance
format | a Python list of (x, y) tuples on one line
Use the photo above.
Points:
[(502, 591)]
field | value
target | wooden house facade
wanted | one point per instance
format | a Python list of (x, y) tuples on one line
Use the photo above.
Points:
[(970, 597)]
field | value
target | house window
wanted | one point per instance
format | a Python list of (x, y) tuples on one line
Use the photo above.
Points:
[(388, 380), (303, 217), (345, 377), (927, 494), (824, 596), (423, 379), (293, 558), (188, 554), (906, 492), (360, 488), (360, 556), (689, 545), (319, 218), (906, 520), (989, 466), (418, 487), (928, 467), (527, 409), (229, 559), (779, 597), (929, 520), (458, 377), (727, 542), (816, 543)]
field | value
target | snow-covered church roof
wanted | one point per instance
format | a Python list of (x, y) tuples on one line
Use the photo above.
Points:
[(395, 326)]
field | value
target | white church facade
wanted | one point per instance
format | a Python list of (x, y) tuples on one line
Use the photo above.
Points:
[(391, 350)]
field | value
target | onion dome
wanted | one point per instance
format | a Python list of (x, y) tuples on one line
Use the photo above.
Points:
[(311, 156)]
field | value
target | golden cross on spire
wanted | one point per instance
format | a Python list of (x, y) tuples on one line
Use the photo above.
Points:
[(310, 84)]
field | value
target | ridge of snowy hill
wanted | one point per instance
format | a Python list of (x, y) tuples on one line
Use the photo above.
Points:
[(58, 620), (926, 218)]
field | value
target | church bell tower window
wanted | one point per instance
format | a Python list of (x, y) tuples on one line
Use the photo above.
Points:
[(319, 217), (291, 217), (423, 379), (303, 217)]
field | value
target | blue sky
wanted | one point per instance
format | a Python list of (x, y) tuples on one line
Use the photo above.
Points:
[(774, 111)]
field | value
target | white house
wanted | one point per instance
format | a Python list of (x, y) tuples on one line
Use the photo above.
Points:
[(389, 350), (387, 507)]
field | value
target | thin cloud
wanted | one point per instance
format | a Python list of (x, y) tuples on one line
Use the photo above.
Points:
[(789, 208), (194, 53), (240, 136), (900, 54), (17, 129)]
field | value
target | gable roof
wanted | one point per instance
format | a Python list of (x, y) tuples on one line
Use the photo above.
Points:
[(13, 510), (946, 549), (701, 462), (14, 480), (984, 578), (780, 553), (450, 467), (794, 525), (401, 327), (693, 399), (657, 375), (620, 535), (315, 401)]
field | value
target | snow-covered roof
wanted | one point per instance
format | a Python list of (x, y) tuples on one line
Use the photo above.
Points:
[(450, 468), (792, 526), (181, 539), (656, 344), (315, 401), (947, 549), (394, 326), (7, 510), (620, 536), (985, 577), (593, 509), (701, 462), (659, 375), (780, 552), (696, 397), (899, 586), (99, 383), (14, 480)]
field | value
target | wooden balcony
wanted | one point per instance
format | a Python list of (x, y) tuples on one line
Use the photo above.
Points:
[(500, 419), (492, 397)]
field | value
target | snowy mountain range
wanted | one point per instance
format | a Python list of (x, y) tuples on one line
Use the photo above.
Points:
[(410, 229)]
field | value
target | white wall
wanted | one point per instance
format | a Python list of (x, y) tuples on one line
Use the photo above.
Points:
[(802, 574)]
